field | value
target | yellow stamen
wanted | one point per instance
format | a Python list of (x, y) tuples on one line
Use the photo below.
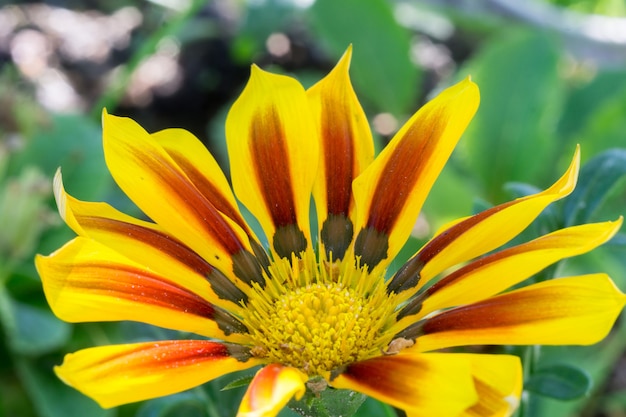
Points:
[(319, 316)]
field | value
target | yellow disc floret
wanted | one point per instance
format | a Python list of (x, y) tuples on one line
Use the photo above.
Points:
[(318, 318)]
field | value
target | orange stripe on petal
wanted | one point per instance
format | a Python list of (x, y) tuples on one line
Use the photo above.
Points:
[(146, 243), (267, 144), (121, 374), (86, 282), (160, 188), (576, 310), (347, 148), (273, 149), (497, 272), (390, 192), (202, 170), (479, 234), (424, 385), (271, 389)]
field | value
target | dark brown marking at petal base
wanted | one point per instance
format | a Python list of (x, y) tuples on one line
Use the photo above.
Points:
[(224, 288), (239, 352), (408, 276), (261, 254), (228, 323), (336, 233), (246, 266), (412, 332), (371, 246), (413, 307), (271, 165), (289, 239)]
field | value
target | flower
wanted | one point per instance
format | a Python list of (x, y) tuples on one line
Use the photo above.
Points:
[(314, 314)]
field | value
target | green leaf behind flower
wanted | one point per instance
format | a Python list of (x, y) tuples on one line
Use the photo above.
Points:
[(328, 403), (512, 137), (598, 180), (381, 68)]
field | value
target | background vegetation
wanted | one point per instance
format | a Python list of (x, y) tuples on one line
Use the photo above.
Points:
[(549, 77)]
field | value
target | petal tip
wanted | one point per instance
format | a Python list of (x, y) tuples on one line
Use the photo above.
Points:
[(616, 225), (566, 184), (466, 90), (257, 73), (59, 193), (104, 115), (346, 58)]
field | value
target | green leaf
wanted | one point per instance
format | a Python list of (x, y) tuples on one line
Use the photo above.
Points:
[(52, 398), (560, 381), (36, 331), (512, 135), (260, 20), (605, 90), (619, 240), (74, 143), (597, 180), (381, 68), (328, 403), (605, 127), (372, 407), (29, 330), (239, 382), (179, 405)]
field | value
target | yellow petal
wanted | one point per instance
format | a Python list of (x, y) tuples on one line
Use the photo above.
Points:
[(497, 272), (424, 385), (566, 311), (121, 374), (273, 147), (479, 234), (498, 380), (147, 244), (390, 192), (346, 149), (271, 389), (202, 170), (162, 190), (85, 281)]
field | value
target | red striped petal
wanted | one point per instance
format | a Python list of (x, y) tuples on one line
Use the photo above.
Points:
[(85, 281), (270, 390), (389, 194), (273, 148), (346, 150), (121, 374)]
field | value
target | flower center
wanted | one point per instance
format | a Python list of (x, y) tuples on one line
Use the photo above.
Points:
[(317, 318)]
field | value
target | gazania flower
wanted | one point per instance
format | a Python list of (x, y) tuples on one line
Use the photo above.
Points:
[(313, 309)]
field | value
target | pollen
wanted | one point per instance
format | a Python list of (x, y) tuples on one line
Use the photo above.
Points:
[(318, 317)]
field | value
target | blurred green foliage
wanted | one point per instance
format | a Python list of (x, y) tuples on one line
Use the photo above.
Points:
[(603, 7), (537, 102)]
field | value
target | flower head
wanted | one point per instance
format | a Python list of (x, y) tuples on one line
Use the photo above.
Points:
[(313, 308)]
